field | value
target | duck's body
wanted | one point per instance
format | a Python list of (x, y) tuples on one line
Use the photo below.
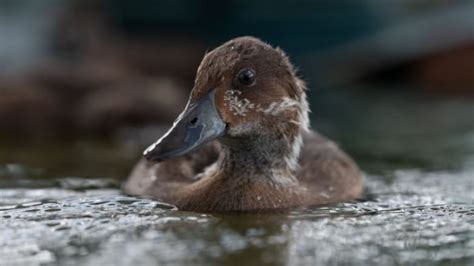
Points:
[(264, 156), (325, 175)]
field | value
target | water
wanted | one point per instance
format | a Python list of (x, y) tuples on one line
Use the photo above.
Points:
[(417, 154)]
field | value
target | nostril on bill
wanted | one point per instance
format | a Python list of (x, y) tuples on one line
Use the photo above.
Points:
[(193, 121)]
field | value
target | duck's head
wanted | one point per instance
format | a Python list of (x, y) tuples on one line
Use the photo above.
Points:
[(243, 88)]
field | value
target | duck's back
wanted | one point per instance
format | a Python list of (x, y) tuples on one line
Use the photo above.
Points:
[(326, 173)]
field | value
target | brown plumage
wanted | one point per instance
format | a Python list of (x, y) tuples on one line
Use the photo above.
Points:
[(266, 158)]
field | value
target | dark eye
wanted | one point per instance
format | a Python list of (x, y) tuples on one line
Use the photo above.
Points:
[(246, 77)]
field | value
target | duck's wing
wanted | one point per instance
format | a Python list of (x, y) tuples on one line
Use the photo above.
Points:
[(325, 168), (159, 180)]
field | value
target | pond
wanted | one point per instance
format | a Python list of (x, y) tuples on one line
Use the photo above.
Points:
[(60, 202)]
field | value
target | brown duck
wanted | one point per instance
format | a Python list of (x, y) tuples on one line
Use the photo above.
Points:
[(243, 141)]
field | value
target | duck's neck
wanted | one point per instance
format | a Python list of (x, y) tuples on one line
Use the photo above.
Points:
[(270, 156), (264, 158)]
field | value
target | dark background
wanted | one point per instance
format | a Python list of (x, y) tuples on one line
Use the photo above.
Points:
[(85, 85)]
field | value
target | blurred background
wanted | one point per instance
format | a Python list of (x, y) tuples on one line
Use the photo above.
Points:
[(86, 85)]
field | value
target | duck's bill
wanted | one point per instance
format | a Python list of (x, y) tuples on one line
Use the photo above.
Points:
[(197, 125)]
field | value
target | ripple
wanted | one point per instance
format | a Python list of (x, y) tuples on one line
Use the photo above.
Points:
[(404, 220)]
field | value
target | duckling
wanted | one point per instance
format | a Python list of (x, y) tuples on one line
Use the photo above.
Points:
[(243, 141)]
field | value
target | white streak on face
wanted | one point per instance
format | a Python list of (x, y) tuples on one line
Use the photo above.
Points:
[(283, 106), (267, 110), (237, 105), (241, 106)]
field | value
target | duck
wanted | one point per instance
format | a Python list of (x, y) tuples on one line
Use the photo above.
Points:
[(243, 142)]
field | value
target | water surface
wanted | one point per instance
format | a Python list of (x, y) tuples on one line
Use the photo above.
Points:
[(60, 202)]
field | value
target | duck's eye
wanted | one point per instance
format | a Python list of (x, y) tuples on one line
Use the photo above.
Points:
[(246, 77)]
